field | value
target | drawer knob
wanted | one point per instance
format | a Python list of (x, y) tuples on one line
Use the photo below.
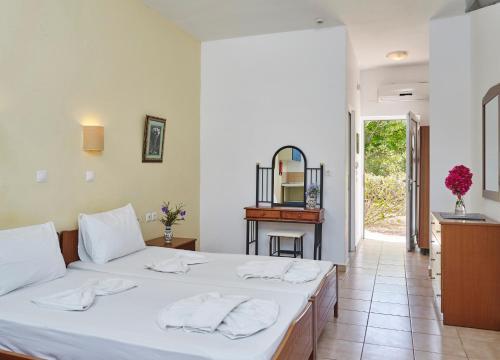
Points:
[(432, 277), (438, 274), (438, 295), (438, 252), (432, 259)]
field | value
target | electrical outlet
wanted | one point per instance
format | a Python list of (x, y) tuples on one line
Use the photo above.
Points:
[(149, 217), (154, 216)]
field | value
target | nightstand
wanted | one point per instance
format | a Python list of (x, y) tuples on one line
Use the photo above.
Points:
[(177, 243)]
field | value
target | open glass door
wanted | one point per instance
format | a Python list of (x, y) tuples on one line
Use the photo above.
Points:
[(412, 169)]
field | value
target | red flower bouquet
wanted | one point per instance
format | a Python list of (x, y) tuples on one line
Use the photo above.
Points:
[(459, 181)]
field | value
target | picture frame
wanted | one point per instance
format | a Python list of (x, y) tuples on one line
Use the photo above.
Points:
[(153, 140)]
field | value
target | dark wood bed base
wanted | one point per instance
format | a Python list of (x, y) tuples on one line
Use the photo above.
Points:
[(301, 339)]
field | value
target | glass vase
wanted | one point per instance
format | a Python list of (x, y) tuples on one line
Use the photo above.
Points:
[(460, 207), (168, 234), (311, 201)]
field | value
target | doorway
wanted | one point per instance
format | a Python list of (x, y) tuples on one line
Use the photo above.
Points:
[(391, 176)]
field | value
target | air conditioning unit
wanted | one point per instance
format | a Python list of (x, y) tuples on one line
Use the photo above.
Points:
[(404, 92)]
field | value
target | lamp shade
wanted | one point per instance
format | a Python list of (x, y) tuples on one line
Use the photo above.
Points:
[(93, 138)]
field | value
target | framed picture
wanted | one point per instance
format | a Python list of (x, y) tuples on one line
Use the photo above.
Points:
[(154, 139)]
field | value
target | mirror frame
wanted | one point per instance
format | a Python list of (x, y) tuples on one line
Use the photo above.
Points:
[(490, 95), (303, 203)]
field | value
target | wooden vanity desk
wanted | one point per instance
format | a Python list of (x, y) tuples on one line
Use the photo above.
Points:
[(253, 215), (465, 271)]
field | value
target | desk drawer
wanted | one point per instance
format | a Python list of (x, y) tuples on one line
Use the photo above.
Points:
[(263, 213), (299, 215)]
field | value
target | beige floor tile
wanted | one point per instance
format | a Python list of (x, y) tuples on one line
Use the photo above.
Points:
[(392, 338), (423, 312), (438, 344), (362, 271), (348, 332), (433, 327), (391, 273), (379, 352), (390, 297), (352, 317), (390, 280), (399, 289), (389, 309), (354, 304), (421, 291), (339, 349), (421, 300), (424, 355), (479, 334), (419, 283), (355, 294), (389, 322), (356, 285), (481, 350)]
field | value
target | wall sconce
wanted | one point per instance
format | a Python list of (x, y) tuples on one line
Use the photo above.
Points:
[(93, 138)]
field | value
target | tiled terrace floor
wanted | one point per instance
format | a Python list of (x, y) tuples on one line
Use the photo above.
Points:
[(387, 312)]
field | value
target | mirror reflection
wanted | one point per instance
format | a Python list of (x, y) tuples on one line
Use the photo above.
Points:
[(491, 146), (289, 172)]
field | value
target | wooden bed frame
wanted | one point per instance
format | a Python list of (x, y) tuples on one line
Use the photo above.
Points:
[(300, 341)]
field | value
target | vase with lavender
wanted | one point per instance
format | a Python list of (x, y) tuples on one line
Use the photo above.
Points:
[(459, 181), (171, 216), (312, 196)]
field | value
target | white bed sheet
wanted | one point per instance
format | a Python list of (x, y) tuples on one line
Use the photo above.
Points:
[(123, 326), (220, 270)]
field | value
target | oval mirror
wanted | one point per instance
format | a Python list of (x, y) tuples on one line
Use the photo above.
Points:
[(289, 177)]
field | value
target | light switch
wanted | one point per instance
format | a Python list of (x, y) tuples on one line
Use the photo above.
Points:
[(41, 176), (154, 216), (149, 217), (89, 176)]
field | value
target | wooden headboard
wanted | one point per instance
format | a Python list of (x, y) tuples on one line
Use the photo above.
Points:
[(68, 241)]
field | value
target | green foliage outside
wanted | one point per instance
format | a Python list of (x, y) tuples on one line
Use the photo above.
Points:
[(385, 166)]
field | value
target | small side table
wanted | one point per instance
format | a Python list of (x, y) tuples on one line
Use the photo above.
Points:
[(177, 243)]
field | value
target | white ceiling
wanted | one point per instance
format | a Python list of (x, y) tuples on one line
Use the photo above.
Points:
[(376, 27)]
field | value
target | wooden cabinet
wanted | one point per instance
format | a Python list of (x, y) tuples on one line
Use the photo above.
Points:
[(177, 243), (465, 271)]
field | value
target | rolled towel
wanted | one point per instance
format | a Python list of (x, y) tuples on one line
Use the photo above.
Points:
[(249, 318), (110, 286), (271, 269), (173, 265), (302, 271), (79, 299), (200, 313)]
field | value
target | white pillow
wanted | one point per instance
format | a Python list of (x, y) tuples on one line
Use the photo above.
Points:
[(109, 235), (29, 255)]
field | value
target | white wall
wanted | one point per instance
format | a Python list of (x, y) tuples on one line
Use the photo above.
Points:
[(372, 79), (464, 58), (485, 72), (450, 125), (259, 93)]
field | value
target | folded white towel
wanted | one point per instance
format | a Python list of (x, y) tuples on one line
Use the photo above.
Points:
[(191, 257), (110, 286), (271, 269), (200, 313), (302, 271), (249, 318), (209, 315), (79, 299), (173, 265)]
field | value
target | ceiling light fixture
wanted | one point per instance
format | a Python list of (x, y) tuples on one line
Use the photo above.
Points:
[(397, 55), (319, 21)]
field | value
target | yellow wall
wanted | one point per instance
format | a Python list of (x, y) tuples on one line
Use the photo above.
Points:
[(64, 63)]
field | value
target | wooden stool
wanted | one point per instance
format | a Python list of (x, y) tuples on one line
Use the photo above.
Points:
[(275, 243)]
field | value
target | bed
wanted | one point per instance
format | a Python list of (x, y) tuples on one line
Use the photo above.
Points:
[(116, 328), (219, 271)]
